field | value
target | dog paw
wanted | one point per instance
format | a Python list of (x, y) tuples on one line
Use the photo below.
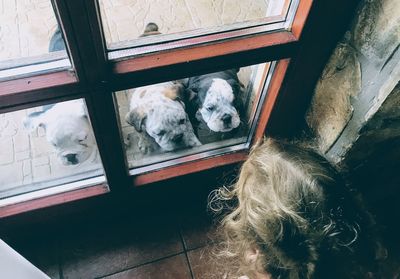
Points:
[(127, 141), (194, 142), (146, 147)]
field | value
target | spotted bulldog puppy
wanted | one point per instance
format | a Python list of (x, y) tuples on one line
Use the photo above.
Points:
[(214, 99), (67, 129), (158, 111)]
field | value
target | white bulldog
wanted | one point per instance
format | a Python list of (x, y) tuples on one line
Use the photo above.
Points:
[(67, 128), (159, 110)]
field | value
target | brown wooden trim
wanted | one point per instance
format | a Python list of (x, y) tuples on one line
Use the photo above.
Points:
[(203, 66), (85, 20), (272, 94), (65, 24), (124, 54), (189, 167), (37, 82), (324, 27), (301, 17), (105, 126), (23, 100), (196, 36), (203, 52), (32, 60), (260, 87), (99, 42), (94, 65), (60, 198), (14, 103)]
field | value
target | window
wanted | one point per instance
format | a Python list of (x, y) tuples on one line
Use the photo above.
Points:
[(229, 125), (124, 21), (155, 89), (47, 146), (30, 41)]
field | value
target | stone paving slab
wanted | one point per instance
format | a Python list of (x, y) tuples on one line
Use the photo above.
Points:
[(125, 20), (25, 27), (27, 157)]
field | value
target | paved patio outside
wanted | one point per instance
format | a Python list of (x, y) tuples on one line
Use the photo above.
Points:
[(25, 30)]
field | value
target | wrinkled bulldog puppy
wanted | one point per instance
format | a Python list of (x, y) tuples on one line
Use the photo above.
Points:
[(159, 112), (214, 99), (67, 129)]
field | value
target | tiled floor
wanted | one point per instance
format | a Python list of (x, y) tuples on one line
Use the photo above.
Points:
[(163, 231), (170, 245)]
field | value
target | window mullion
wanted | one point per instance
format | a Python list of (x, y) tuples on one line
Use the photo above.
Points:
[(65, 25), (130, 76), (87, 31), (77, 28)]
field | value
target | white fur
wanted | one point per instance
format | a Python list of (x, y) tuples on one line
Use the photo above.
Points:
[(164, 118), (220, 90), (219, 97), (68, 129)]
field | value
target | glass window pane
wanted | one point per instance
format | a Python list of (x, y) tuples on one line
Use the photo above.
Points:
[(47, 146), (196, 115), (125, 20), (29, 35)]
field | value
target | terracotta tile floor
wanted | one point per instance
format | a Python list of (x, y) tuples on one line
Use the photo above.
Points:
[(163, 246), (167, 238)]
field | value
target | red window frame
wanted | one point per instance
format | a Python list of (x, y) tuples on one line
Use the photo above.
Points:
[(301, 58)]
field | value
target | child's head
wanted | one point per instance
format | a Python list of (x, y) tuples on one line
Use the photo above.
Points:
[(292, 208)]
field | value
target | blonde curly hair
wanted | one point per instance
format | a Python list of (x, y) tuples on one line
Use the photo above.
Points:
[(292, 217)]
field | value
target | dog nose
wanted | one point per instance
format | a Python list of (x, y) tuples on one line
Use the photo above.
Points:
[(226, 118), (71, 158), (177, 138)]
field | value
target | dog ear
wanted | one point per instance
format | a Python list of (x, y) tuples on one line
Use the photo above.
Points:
[(82, 111), (237, 88), (235, 85), (176, 92), (136, 118), (34, 120), (191, 94)]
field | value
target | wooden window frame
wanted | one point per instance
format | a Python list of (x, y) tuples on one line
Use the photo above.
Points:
[(95, 78)]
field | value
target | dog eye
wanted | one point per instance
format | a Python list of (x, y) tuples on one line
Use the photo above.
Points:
[(160, 133), (82, 140), (210, 108), (182, 121)]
